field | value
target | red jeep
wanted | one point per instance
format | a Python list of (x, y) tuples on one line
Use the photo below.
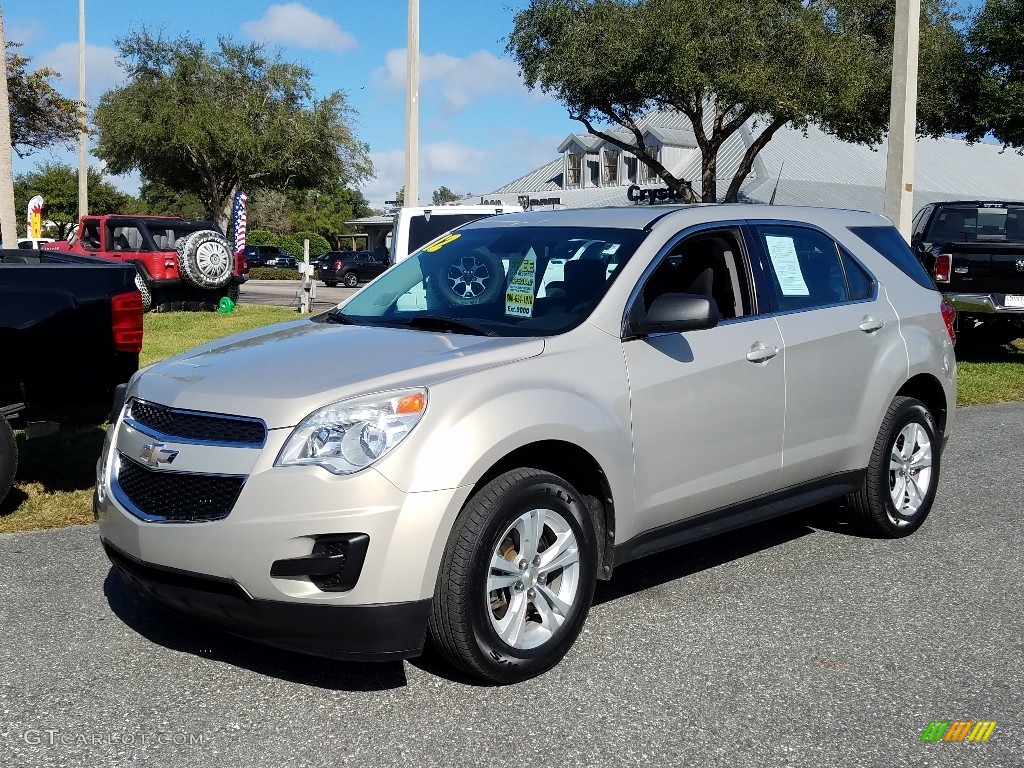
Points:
[(180, 264)]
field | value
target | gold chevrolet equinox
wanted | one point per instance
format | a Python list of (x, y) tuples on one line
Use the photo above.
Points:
[(467, 444)]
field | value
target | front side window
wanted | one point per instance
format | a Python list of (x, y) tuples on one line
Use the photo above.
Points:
[(499, 280), (804, 266)]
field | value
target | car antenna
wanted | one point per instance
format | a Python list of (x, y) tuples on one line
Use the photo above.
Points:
[(772, 201)]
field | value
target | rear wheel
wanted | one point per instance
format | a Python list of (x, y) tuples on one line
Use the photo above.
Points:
[(903, 473), (351, 279), (517, 577), (8, 457), (331, 283)]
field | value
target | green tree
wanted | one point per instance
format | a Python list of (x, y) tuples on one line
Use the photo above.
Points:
[(444, 195), (58, 185), (400, 197), (211, 122), (991, 98), (723, 63), (158, 199), (327, 209), (40, 116)]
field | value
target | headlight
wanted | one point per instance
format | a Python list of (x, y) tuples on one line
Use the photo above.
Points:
[(350, 435)]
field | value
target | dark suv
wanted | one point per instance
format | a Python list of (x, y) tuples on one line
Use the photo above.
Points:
[(350, 267)]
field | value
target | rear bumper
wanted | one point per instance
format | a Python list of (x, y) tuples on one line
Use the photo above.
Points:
[(982, 304), (354, 632)]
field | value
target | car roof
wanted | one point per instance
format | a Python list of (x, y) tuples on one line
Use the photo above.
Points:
[(647, 216)]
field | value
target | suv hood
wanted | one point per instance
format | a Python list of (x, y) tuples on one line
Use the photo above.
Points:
[(282, 373)]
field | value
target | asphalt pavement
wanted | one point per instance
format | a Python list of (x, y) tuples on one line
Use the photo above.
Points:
[(793, 643), (286, 293)]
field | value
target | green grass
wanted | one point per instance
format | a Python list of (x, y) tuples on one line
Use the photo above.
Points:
[(56, 473), (990, 374)]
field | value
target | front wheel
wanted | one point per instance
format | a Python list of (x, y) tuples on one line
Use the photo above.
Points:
[(903, 472), (517, 577), (351, 280)]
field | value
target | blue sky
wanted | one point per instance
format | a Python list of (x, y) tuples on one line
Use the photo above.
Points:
[(479, 125)]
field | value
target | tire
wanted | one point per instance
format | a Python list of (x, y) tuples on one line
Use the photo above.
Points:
[(350, 279), (8, 458), (904, 470), (147, 295), (514, 632), (331, 283), (472, 279), (205, 260)]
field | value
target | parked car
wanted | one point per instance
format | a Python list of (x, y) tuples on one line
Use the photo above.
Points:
[(350, 267), (29, 243), (282, 261), (974, 251), (415, 226), (71, 332), (179, 264), (345, 484), (265, 255)]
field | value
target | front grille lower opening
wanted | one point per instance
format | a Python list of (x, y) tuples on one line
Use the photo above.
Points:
[(177, 496)]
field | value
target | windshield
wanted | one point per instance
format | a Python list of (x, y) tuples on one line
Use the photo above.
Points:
[(978, 224), (504, 281)]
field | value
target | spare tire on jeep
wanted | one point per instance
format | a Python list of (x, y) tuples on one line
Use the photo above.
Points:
[(205, 260)]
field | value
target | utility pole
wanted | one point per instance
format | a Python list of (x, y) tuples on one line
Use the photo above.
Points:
[(8, 219), (899, 168), (83, 136), (412, 107)]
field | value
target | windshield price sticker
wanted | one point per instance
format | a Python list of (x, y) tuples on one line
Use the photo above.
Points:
[(520, 291), (782, 252)]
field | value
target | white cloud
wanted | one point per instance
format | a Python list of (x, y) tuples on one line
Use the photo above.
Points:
[(102, 71), (24, 32), (460, 81), (295, 24)]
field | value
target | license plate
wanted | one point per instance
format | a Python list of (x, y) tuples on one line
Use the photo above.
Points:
[(1013, 300)]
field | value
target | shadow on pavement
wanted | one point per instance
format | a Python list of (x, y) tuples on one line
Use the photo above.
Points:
[(178, 634)]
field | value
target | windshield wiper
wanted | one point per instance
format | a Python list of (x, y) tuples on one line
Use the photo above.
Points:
[(337, 316), (442, 323)]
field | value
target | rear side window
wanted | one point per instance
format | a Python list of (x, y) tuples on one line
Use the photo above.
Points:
[(858, 282), (805, 268), (890, 244)]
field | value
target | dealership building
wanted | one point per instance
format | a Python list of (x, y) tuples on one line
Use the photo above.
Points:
[(796, 167)]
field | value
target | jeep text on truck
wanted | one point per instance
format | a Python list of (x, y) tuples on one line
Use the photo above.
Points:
[(974, 251), (181, 264), (71, 332)]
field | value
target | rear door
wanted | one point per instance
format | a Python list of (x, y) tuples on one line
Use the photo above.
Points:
[(707, 406), (838, 329)]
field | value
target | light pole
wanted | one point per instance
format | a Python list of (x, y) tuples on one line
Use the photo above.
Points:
[(8, 218), (83, 136), (412, 107), (899, 167)]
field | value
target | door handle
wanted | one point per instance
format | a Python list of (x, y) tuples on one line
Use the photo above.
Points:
[(761, 353), (870, 324)]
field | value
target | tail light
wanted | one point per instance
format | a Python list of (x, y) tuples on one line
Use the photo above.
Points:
[(126, 321), (949, 317), (337, 264), (943, 267)]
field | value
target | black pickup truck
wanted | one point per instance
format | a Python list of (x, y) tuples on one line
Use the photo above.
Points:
[(974, 251), (70, 332)]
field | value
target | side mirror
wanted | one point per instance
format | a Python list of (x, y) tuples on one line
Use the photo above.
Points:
[(675, 313)]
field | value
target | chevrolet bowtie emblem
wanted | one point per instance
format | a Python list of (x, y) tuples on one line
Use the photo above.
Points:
[(157, 453)]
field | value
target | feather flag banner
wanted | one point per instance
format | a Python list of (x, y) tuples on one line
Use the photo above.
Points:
[(238, 221)]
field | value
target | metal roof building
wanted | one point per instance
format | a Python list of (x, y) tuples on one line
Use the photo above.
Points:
[(802, 168)]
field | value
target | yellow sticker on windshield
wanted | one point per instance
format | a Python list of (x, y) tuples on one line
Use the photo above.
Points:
[(520, 291), (437, 246)]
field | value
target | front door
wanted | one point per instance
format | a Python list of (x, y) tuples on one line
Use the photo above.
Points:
[(707, 406)]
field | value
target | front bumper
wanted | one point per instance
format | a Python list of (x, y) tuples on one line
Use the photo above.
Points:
[(982, 304), (353, 632)]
